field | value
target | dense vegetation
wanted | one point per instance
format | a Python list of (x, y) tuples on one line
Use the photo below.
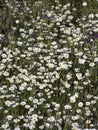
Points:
[(48, 65)]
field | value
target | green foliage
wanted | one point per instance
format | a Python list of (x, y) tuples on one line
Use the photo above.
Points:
[(48, 65)]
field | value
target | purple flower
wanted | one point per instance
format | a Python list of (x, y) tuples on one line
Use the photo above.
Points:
[(1, 17), (95, 36), (88, 32), (87, 40)]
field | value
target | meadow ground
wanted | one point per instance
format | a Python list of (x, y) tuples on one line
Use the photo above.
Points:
[(49, 65)]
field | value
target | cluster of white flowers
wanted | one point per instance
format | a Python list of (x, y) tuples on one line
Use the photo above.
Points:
[(48, 72)]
